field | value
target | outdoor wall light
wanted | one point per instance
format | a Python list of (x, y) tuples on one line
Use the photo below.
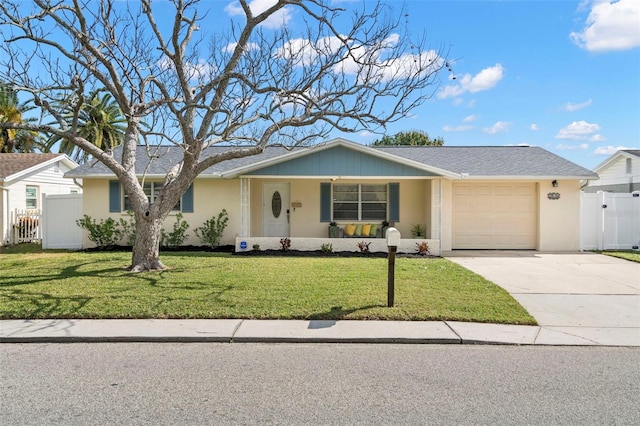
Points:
[(554, 183)]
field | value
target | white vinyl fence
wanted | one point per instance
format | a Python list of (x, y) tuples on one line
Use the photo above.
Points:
[(59, 215), (25, 226), (610, 221)]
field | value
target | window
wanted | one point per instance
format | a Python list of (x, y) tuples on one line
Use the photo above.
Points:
[(629, 167), (151, 190), (359, 202), (32, 197)]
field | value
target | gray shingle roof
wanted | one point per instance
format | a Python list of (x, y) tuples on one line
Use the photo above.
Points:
[(635, 152), (493, 161), (164, 157)]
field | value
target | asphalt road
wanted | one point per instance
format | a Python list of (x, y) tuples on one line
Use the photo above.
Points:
[(212, 384)]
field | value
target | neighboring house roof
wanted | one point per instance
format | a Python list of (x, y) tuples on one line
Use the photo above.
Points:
[(453, 162), (628, 153), (13, 166)]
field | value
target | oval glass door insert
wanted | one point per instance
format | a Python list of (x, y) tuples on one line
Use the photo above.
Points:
[(276, 204)]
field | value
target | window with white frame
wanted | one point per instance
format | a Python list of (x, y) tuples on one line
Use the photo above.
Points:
[(151, 190), (32, 197), (358, 202)]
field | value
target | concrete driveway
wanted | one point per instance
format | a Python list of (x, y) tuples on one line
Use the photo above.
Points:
[(593, 297)]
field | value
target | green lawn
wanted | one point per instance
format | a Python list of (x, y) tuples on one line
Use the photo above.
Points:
[(633, 256), (35, 284)]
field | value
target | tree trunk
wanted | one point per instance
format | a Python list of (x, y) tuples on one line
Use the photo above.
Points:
[(146, 249)]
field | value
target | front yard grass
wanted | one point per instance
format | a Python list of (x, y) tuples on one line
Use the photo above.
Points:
[(36, 284)]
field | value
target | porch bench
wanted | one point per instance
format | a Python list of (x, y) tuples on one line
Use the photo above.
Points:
[(357, 230)]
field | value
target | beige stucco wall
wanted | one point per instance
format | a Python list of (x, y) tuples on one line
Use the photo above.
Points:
[(305, 221), (446, 236), (210, 197), (559, 220), (558, 226)]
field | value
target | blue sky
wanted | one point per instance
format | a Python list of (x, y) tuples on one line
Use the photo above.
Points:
[(562, 75)]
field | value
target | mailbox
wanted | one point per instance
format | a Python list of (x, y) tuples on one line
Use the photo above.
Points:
[(393, 237), (393, 241)]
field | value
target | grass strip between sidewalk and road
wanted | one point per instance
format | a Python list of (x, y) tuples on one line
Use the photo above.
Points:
[(213, 285)]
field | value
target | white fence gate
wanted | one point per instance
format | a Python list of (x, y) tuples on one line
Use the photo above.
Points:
[(610, 221), (25, 226), (59, 215)]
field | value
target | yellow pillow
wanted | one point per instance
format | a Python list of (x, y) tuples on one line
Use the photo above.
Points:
[(349, 229), (366, 228)]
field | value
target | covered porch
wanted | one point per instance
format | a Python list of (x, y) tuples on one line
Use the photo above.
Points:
[(303, 208)]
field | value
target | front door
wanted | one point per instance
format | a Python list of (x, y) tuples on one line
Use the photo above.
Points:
[(275, 210)]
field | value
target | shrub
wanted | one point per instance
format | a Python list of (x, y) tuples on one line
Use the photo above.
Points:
[(285, 244), (128, 228), (418, 231), (422, 248), (105, 233), (210, 233), (327, 248), (176, 237), (256, 247), (364, 247)]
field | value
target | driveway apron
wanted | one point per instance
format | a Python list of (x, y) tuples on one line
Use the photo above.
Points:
[(592, 296)]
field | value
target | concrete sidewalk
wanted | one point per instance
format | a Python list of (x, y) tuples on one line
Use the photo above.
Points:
[(275, 331)]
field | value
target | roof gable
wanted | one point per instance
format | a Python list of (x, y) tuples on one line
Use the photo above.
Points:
[(634, 154), (14, 165), (339, 160)]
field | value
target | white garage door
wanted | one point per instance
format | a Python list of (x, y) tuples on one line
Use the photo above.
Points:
[(494, 215)]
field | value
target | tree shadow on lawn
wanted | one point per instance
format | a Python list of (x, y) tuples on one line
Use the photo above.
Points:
[(43, 305), (68, 272), (339, 313)]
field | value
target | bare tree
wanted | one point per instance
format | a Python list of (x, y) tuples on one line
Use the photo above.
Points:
[(249, 87)]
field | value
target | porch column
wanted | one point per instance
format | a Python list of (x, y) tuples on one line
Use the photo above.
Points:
[(245, 207), (436, 209)]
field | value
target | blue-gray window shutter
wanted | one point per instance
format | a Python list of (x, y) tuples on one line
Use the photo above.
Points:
[(394, 202), (325, 202), (115, 199), (187, 200)]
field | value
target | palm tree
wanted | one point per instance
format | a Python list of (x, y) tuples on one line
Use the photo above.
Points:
[(12, 111), (100, 121)]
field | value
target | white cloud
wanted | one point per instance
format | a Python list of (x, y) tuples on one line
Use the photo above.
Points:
[(484, 80), (250, 46), (461, 128), (470, 118), (611, 25), (303, 52), (578, 130), (597, 138), (278, 20), (534, 127), (499, 127), (575, 107), (609, 150), (572, 147), (193, 71)]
